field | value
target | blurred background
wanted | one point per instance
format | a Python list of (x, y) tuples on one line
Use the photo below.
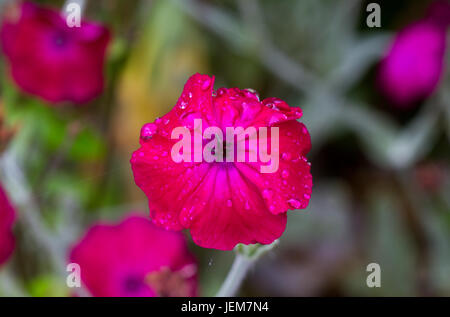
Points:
[(381, 172)]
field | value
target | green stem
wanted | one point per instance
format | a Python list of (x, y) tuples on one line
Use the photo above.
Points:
[(236, 276)]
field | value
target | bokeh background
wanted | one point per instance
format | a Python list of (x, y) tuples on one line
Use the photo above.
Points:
[(381, 172)]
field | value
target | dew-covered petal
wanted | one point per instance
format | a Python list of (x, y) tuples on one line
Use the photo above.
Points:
[(226, 210), (290, 186), (195, 102), (166, 183)]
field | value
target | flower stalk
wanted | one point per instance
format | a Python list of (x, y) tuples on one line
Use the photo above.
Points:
[(246, 256)]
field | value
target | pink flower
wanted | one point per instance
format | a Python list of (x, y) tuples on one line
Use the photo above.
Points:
[(52, 60), (224, 203), (135, 259), (414, 64), (7, 216)]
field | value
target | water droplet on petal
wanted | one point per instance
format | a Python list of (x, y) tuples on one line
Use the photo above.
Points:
[(247, 205), (286, 156), (307, 196), (253, 92), (276, 118), (267, 193), (229, 203), (206, 84), (148, 130), (294, 203), (183, 104), (285, 174)]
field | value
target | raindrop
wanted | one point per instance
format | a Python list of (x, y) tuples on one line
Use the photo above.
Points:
[(294, 203), (285, 174), (148, 130), (267, 193), (286, 156), (183, 104), (206, 84)]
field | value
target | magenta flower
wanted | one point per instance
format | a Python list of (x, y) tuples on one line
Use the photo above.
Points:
[(51, 60), (135, 259), (414, 64), (7, 216), (225, 203)]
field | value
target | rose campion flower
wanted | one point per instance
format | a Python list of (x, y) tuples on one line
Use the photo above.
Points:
[(414, 64), (135, 258), (7, 216), (224, 203), (49, 59)]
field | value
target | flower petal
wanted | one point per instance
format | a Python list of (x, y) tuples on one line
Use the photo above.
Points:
[(167, 184), (226, 210), (115, 259), (290, 186)]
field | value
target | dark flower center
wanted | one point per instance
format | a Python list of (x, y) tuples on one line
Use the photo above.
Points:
[(60, 39), (133, 284), (169, 284)]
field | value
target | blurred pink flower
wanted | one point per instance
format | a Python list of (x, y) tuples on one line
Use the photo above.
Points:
[(7, 216), (224, 203), (414, 63), (135, 259), (52, 60)]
